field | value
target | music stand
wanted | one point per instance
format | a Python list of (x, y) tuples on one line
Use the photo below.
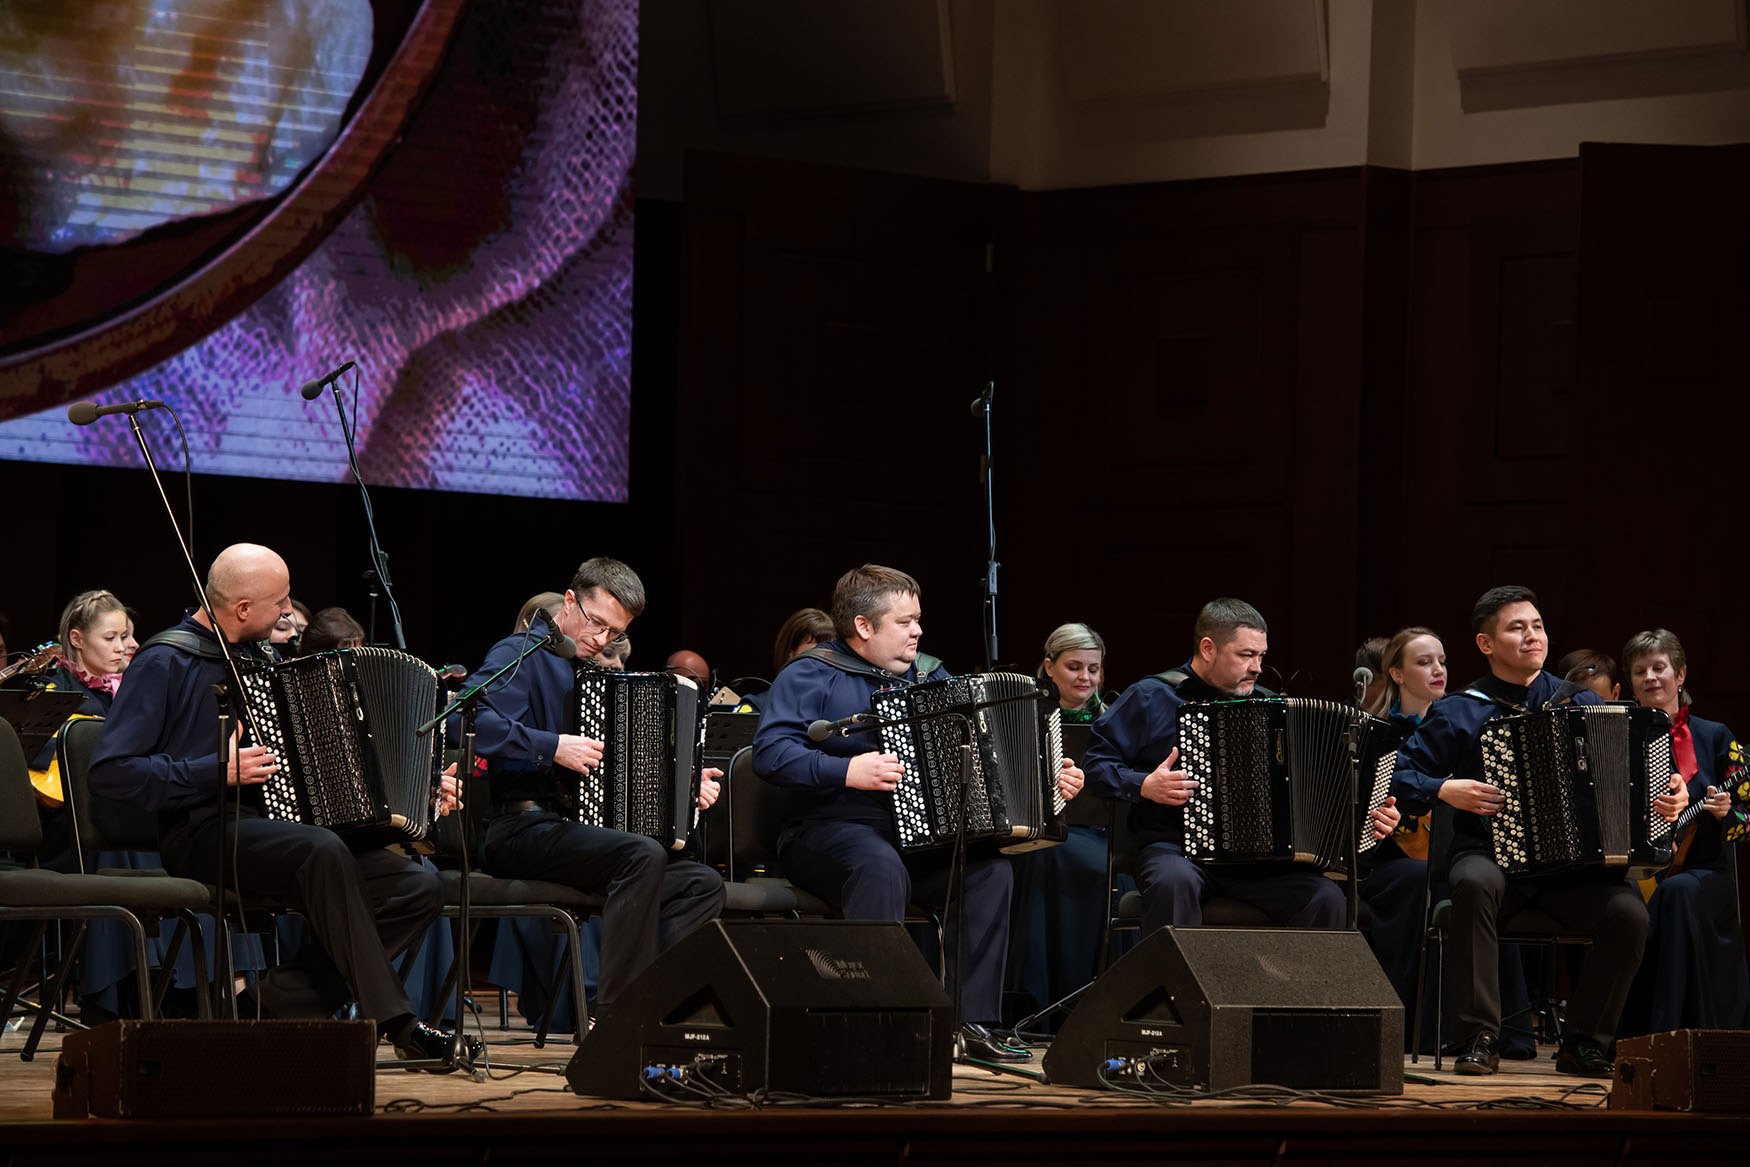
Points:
[(37, 714), (726, 733)]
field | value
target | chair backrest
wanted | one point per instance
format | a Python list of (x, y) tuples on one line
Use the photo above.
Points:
[(21, 831), (715, 832), (103, 824), (1122, 844), (758, 813), (446, 833)]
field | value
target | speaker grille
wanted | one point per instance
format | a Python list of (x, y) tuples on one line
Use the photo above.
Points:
[(1316, 1049), (855, 1051)]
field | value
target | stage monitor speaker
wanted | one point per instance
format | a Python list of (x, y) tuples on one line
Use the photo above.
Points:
[(840, 1008), (1213, 1008), (1684, 1069), (217, 1069)]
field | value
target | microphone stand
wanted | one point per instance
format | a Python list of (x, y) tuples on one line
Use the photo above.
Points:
[(1352, 736), (467, 702), (378, 574), (982, 406), (223, 951)]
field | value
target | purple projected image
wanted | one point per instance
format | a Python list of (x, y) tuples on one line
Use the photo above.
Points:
[(482, 283)]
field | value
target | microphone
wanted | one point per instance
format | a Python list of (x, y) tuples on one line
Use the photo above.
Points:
[(819, 731), (558, 643), (313, 389), (1363, 677), (982, 401), (86, 412)]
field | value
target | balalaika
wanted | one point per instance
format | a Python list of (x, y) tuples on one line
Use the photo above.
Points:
[(342, 726), (652, 730), (1017, 749), (1579, 783), (1272, 779)]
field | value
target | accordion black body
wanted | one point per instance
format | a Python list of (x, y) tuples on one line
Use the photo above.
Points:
[(1273, 780), (342, 726), (652, 730), (1017, 749), (1579, 782)]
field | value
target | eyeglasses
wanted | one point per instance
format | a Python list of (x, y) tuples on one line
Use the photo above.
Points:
[(598, 626)]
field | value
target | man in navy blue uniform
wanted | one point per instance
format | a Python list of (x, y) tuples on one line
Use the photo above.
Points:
[(159, 749), (840, 842), (523, 730), (1133, 755), (1442, 762)]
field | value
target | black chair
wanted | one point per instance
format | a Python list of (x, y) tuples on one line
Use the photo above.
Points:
[(493, 898), (755, 813), (28, 892), (1122, 849), (1528, 926), (106, 824)]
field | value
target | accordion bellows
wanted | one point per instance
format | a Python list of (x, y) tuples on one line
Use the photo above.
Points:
[(1273, 780), (652, 730), (342, 726), (1017, 749)]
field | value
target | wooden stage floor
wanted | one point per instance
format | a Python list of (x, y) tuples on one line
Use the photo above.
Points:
[(523, 1112)]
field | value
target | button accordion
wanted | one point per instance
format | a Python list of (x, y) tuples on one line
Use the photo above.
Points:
[(342, 726), (1579, 783), (1272, 779), (1017, 749), (652, 730)]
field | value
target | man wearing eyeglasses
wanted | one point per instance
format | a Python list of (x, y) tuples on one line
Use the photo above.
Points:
[(653, 897)]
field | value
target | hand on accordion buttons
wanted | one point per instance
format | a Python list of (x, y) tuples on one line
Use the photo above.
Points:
[(449, 796), (1671, 803), (1168, 786), (581, 754), (1069, 779), (1385, 818), (249, 765), (873, 771), (1469, 794), (710, 786)]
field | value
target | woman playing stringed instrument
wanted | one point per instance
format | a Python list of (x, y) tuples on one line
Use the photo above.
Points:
[(1693, 971), (97, 642)]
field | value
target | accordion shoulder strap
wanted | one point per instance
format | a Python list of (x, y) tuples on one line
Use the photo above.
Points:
[(182, 640), (1173, 677), (1479, 695), (850, 662)]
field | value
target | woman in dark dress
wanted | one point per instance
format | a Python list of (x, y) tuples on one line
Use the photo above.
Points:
[(1060, 903), (1693, 972)]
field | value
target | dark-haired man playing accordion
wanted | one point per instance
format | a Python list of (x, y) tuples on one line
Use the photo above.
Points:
[(1134, 756), (1442, 762), (654, 897), (841, 844)]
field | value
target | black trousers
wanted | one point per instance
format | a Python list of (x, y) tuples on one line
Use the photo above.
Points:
[(1611, 912), (1174, 890), (858, 869), (364, 908), (653, 897)]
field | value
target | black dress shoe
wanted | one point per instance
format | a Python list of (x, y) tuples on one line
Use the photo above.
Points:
[(425, 1042), (1583, 1058), (978, 1042), (1479, 1057)]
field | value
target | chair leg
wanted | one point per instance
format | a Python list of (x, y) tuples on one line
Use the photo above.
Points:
[(15, 989), (579, 994), (197, 941), (1440, 1001), (1421, 992), (51, 992)]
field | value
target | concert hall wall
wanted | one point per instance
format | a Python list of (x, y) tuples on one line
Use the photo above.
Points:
[(1356, 397)]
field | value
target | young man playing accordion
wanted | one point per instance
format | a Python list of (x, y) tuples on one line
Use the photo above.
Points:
[(841, 843), (654, 896), (1443, 762)]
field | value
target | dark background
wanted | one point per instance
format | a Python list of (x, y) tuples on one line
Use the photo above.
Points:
[(1355, 397)]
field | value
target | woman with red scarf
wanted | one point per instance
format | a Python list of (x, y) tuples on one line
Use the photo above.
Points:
[(1693, 972)]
